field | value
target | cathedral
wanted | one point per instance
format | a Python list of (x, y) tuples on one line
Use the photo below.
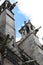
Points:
[(26, 51)]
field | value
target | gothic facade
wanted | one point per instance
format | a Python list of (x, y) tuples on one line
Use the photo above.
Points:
[(27, 51)]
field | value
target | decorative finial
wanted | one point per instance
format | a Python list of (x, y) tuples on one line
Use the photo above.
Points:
[(12, 6), (37, 30), (15, 3), (24, 22), (29, 20)]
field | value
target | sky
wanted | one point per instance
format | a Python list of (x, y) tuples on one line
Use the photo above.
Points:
[(28, 9)]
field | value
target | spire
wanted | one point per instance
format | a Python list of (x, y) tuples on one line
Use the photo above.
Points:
[(24, 22), (12, 6), (36, 30)]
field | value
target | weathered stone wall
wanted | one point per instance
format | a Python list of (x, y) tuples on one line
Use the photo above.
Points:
[(7, 23), (30, 47), (2, 22), (10, 28), (7, 62)]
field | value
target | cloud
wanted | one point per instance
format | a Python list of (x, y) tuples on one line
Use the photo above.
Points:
[(33, 9), (1, 1), (17, 39)]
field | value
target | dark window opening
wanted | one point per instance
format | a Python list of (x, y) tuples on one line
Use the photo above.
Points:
[(31, 27), (13, 45), (27, 29), (23, 33)]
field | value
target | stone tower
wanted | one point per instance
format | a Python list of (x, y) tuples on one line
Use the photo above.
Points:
[(7, 27), (26, 29), (30, 42), (7, 19)]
